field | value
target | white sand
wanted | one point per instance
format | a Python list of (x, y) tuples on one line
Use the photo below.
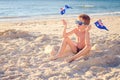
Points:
[(25, 47)]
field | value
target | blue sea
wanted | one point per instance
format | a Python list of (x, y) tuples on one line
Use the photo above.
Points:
[(33, 8)]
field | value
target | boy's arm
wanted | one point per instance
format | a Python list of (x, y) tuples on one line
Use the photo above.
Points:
[(65, 27), (87, 38), (66, 34), (86, 49)]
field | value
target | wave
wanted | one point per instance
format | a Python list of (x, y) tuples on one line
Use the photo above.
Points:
[(13, 17), (87, 6), (106, 13)]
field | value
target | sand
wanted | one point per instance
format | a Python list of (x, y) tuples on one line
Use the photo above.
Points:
[(25, 46)]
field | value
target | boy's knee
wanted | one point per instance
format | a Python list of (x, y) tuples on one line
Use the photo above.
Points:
[(66, 38)]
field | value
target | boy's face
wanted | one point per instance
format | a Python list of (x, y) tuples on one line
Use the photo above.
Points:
[(81, 26)]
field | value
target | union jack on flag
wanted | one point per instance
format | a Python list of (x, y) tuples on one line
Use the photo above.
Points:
[(100, 25)]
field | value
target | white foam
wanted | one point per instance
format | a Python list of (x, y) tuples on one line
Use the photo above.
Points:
[(106, 13), (87, 6)]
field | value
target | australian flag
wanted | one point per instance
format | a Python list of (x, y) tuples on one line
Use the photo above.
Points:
[(63, 10), (100, 25)]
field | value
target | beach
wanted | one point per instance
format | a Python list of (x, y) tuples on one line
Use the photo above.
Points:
[(25, 47)]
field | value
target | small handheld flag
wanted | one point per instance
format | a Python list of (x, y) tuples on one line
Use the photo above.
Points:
[(100, 25), (63, 10)]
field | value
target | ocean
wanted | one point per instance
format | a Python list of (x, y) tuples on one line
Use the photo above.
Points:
[(33, 8)]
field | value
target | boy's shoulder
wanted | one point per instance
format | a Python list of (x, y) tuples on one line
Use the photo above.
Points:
[(75, 29)]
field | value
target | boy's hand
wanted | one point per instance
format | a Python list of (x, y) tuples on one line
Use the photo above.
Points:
[(69, 60), (64, 22), (88, 28)]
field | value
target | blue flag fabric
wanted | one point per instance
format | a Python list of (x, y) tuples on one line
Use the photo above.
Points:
[(67, 7), (100, 25), (63, 10)]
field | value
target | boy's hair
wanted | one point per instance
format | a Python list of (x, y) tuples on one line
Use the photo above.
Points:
[(86, 18)]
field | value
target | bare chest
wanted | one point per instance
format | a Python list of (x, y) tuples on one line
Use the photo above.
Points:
[(80, 35), (80, 39)]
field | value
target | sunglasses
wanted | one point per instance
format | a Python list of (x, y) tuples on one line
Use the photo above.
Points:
[(79, 22)]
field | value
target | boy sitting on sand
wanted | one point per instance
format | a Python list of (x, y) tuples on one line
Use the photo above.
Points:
[(79, 48)]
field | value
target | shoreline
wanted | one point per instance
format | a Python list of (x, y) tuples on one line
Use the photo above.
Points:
[(43, 17)]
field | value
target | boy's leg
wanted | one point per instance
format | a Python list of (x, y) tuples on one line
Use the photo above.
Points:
[(71, 44), (62, 48), (54, 50), (82, 53), (66, 41)]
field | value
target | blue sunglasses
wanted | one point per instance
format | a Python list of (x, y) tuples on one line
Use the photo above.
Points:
[(79, 22)]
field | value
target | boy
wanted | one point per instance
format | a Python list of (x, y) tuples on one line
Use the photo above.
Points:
[(82, 46)]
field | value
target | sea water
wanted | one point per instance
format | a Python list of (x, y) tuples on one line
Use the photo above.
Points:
[(30, 8)]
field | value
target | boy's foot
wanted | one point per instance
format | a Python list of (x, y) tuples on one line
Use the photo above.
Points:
[(53, 52), (69, 60), (53, 58)]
